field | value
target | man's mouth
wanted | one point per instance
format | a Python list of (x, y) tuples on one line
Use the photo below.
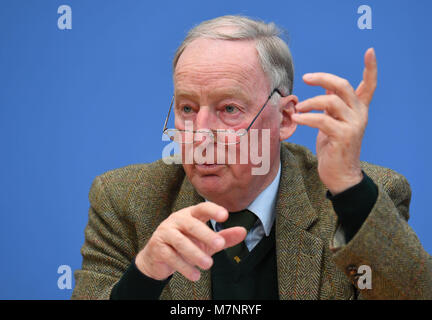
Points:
[(209, 168)]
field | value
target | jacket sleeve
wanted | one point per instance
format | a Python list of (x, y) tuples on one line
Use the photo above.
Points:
[(400, 267), (108, 248)]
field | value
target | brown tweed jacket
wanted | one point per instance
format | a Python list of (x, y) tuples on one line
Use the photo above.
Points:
[(128, 204)]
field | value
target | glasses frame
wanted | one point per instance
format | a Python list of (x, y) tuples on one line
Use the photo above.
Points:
[(212, 132)]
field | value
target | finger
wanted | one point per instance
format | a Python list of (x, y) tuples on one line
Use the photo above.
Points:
[(201, 232), (333, 83), (332, 104), (367, 86), (233, 236), (209, 210), (321, 121), (187, 250), (176, 262)]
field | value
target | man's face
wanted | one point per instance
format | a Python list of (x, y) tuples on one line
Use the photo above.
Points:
[(221, 85)]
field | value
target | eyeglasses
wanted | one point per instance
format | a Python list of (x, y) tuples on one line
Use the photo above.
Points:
[(221, 136)]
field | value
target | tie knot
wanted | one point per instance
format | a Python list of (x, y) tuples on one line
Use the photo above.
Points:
[(244, 218)]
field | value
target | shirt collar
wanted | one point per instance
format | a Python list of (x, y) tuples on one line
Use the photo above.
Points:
[(264, 205)]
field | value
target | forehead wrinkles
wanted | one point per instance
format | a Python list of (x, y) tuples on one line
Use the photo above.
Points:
[(206, 73), (203, 81)]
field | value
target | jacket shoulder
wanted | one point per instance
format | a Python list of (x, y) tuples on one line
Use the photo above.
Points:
[(306, 159), (394, 183), (128, 186), (157, 171)]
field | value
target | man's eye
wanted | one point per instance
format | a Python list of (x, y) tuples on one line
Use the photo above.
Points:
[(230, 109), (187, 109)]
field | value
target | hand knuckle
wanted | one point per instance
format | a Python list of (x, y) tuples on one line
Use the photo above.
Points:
[(192, 228), (164, 253), (176, 215), (344, 84), (199, 205), (162, 228), (333, 98), (177, 241), (334, 101)]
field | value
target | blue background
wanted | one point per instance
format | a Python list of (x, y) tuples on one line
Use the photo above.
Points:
[(76, 103)]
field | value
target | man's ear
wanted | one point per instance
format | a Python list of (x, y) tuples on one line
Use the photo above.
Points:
[(287, 109)]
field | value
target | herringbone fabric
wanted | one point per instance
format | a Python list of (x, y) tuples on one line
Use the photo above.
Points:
[(246, 219), (128, 204)]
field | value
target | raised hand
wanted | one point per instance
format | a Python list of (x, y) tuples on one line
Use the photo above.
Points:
[(341, 125)]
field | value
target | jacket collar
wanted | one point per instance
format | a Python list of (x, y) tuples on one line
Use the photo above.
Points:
[(299, 252)]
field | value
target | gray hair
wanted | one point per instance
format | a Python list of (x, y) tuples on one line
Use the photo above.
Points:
[(273, 52)]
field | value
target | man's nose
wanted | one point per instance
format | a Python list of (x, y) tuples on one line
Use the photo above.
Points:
[(205, 119)]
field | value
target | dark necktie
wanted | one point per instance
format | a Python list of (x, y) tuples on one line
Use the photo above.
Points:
[(246, 219)]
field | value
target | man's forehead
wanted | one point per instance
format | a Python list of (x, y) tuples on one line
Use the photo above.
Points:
[(207, 53), (225, 68), (220, 45)]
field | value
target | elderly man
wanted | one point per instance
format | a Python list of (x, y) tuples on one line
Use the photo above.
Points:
[(309, 228)]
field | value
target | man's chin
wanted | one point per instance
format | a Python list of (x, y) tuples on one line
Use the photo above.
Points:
[(209, 186)]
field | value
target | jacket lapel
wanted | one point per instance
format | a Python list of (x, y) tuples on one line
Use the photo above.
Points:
[(299, 252), (180, 287)]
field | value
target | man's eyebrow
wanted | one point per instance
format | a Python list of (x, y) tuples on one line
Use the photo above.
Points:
[(215, 94), (185, 94), (230, 93)]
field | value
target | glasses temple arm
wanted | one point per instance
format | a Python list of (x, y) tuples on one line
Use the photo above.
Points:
[(268, 99), (169, 111)]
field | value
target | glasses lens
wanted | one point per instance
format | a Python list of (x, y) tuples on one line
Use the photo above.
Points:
[(180, 136), (175, 135), (204, 136), (224, 137), (227, 137)]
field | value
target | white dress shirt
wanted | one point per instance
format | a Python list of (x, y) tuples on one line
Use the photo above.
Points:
[(264, 207)]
